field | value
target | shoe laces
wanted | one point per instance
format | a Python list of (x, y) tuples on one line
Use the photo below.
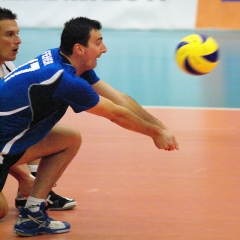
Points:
[(39, 222)]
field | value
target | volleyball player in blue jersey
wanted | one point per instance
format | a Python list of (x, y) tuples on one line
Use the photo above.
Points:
[(35, 97)]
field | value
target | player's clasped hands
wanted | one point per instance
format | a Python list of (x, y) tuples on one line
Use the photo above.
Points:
[(166, 140)]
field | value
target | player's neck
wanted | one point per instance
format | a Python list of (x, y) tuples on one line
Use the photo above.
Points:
[(1, 63), (74, 62)]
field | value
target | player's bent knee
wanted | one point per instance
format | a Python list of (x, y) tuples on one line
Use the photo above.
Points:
[(73, 135), (3, 206), (66, 130), (77, 137)]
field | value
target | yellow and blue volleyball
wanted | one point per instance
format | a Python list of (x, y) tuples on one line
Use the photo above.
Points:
[(197, 54)]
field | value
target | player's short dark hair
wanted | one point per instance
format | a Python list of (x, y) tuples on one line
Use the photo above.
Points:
[(6, 14), (77, 30)]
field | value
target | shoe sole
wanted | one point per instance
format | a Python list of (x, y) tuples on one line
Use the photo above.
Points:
[(21, 234), (67, 206), (40, 233)]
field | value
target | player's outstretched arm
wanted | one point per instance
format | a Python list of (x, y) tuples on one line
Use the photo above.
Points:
[(127, 119), (122, 99)]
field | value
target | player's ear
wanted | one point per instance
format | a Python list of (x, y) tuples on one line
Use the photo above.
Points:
[(79, 48)]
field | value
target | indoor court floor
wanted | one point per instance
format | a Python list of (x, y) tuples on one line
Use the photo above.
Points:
[(127, 189)]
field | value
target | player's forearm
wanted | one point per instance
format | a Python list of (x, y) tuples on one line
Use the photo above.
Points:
[(162, 138), (131, 104), (131, 121), (124, 117), (127, 119)]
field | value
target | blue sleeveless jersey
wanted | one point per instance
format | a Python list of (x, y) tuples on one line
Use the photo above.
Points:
[(35, 96)]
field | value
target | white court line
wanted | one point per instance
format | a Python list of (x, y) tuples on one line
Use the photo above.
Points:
[(194, 108)]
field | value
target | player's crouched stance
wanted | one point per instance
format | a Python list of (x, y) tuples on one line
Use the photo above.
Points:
[(34, 223), (33, 219), (48, 88)]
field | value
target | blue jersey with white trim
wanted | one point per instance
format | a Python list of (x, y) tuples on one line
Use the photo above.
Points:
[(35, 96)]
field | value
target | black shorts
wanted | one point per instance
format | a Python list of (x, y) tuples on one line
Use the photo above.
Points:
[(5, 167)]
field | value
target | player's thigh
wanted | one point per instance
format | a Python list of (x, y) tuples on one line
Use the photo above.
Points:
[(61, 137), (3, 206)]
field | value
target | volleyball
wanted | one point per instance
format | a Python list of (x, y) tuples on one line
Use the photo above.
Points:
[(197, 54)]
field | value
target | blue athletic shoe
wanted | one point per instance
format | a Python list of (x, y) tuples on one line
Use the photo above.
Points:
[(36, 223)]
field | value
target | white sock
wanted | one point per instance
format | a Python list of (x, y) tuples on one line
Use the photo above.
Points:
[(33, 168), (34, 203)]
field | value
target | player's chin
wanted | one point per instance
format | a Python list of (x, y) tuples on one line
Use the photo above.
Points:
[(12, 58), (94, 64)]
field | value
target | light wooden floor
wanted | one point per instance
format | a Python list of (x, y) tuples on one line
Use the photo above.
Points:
[(127, 189)]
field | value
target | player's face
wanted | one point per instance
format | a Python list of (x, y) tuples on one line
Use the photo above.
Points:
[(94, 49), (9, 40)]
